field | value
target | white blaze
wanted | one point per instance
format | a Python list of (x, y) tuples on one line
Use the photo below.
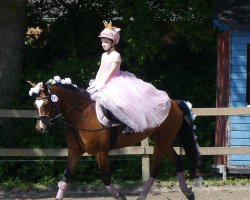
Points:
[(39, 104)]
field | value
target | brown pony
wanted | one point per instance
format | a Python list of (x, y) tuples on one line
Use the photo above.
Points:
[(86, 134)]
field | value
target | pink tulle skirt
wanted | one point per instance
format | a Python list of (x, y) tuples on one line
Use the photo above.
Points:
[(134, 102)]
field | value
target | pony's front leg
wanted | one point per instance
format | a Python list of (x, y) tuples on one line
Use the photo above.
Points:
[(153, 172), (103, 162), (74, 154)]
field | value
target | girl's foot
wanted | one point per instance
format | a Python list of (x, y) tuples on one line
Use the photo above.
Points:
[(127, 130)]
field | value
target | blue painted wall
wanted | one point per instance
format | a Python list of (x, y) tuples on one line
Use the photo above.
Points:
[(239, 126)]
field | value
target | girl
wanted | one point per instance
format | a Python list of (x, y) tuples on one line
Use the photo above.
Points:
[(134, 102)]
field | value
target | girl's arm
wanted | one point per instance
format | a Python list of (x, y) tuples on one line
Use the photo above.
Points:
[(106, 77), (98, 75)]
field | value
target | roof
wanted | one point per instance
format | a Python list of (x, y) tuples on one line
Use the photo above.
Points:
[(232, 14)]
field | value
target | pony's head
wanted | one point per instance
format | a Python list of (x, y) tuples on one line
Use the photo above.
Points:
[(44, 106), (46, 102)]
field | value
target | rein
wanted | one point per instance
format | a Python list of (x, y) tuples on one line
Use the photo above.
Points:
[(52, 119), (81, 129)]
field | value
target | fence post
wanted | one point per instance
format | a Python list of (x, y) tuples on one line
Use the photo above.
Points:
[(145, 162)]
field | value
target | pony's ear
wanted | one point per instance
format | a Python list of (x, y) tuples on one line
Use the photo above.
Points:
[(46, 87), (32, 84)]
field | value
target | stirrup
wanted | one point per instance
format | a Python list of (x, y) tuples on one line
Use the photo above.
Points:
[(127, 130)]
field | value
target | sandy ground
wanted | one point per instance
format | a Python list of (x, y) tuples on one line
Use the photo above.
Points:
[(158, 192)]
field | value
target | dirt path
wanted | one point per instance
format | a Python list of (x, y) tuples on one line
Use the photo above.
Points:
[(158, 192)]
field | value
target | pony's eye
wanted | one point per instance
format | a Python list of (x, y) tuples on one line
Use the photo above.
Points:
[(45, 106)]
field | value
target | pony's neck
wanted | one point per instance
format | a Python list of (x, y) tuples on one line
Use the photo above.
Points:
[(69, 98)]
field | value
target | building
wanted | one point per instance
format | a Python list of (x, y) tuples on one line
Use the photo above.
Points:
[(232, 18)]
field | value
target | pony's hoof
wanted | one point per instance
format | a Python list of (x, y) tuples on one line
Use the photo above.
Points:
[(121, 197), (141, 198), (189, 194)]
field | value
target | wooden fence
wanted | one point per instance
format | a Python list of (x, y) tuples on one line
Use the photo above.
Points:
[(144, 150)]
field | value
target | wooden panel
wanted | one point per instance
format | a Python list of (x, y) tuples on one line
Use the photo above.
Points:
[(18, 113), (210, 150), (240, 157), (238, 83), (240, 163), (241, 33), (240, 119), (145, 162), (197, 111), (238, 127), (237, 90), (221, 111), (239, 142), (239, 60), (136, 150), (241, 97), (222, 92), (239, 47), (239, 39), (239, 134), (238, 104), (63, 152), (224, 150), (239, 68), (222, 69), (236, 76), (241, 53)]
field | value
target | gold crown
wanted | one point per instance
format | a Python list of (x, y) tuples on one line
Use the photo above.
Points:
[(107, 25)]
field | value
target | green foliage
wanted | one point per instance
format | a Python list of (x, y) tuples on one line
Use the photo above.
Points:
[(171, 44)]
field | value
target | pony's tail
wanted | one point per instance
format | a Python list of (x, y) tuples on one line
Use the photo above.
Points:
[(188, 138)]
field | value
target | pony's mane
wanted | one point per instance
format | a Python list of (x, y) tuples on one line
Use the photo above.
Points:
[(71, 87)]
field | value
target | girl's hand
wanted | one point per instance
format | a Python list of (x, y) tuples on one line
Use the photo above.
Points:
[(99, 85), (92, 83)]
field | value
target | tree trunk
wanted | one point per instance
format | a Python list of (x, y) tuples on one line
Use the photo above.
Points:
[(12, 36)]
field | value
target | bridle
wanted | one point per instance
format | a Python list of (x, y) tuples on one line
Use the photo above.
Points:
[(57, 114), (55, 110)]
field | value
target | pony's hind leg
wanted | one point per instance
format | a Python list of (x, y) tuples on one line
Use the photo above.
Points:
[(162, 139), (103, 162), (176, 161)]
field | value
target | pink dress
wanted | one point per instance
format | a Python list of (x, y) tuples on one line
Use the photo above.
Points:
[(134, 102)]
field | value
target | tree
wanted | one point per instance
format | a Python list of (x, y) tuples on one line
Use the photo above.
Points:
[(12, 35)]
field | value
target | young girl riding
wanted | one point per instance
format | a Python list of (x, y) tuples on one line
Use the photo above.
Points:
[(136, 103)]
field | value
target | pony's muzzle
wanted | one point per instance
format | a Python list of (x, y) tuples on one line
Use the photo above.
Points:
[(42, 130), (41, 127)]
